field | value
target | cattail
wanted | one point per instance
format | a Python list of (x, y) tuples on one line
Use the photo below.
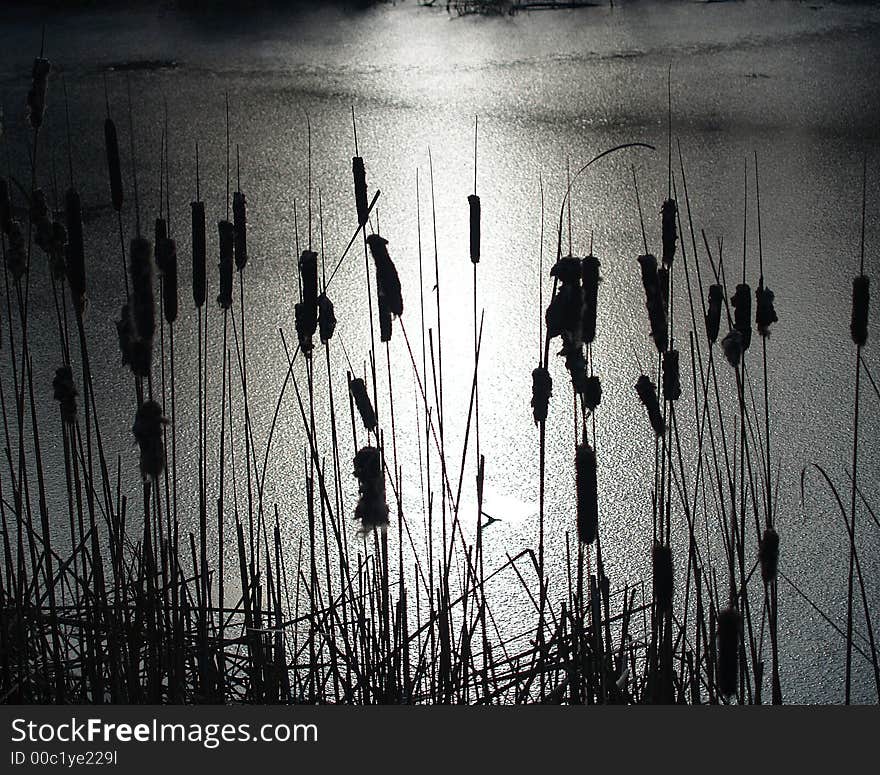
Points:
[(362, 402), (239, 220), (114, 168), (76, 254), (303, 320), (654, 301), (360, 189), (65, 393), (36, 98), (542, 389), (371, 509), (565, 312), (141, 353), (169, 281), (671, 378), (326, 318), (143, 313), (16, 254), (765, 313), (663, 282), (576, 365), (713, 314), (742, 313), (648, 396), (474, 203), (308, 272), (859, 323), (729, 623), (160, 237), (306, 312), (587, 493), (57, 247), (386, 274), (125, 334), (199, 254), (732, 344), (590, 282), (668, 213), (147, 430), (5, 206), (768, 553), (384, 319), (592, 392), (661, 559), (227, 247)]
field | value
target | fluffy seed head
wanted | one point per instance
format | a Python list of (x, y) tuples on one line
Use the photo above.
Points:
[(648, 396), (713, 313), (542, 388), (147, 429)]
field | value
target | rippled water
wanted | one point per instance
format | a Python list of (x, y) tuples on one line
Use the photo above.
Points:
[(793, 82)]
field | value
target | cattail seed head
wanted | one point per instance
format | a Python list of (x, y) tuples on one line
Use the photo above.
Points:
[(671, 377), (227, 249), (362, 402), (474, 204), (303, 318), (859, 322), (768, 553), (360, 189), (654, 302), (308, 272), (326, 318), (593, 392), (65, 393), (648, 396), (587, 493), (387, 285), (732, 344), (765, 313), (542, 388), (76, 255), (36, 98), (114, 168), (661, 560), (169, 282), (742, 313), (576, 364), (668, 213), (386, 274), (729, 624), (147, 429), (141, 353), (16, 253), (239, 220), (143, 313), (565, 312), (199, 254), (590, 284), (371, 509), (306, 312), (713, 313)]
